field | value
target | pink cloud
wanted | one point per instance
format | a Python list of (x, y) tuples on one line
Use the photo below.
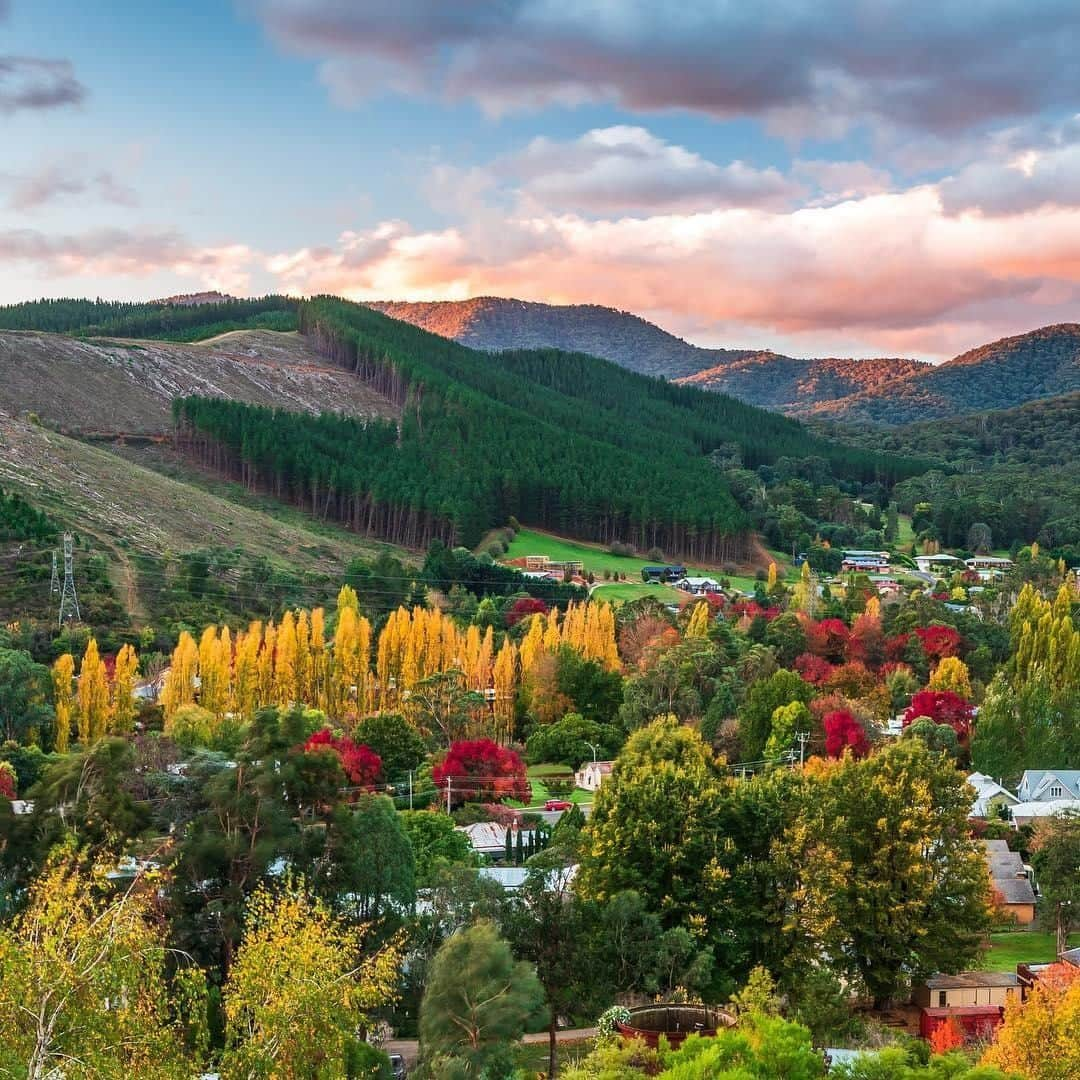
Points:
[(892, 271)]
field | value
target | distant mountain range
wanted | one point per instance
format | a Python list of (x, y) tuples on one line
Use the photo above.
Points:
[(1000, 375)]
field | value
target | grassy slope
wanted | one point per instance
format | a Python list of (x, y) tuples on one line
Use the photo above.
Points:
[(125, 509), (1021, 946)]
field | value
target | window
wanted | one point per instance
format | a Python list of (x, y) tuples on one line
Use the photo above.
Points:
[(942, 999), (1055, 791)]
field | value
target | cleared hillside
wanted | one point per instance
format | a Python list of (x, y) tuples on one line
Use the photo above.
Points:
[(1000, 375), (101, 385), (130, 514)]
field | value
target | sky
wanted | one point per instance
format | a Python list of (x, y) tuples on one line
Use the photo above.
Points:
[(845, 178)]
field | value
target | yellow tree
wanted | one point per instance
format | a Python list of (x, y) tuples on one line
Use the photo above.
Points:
[(347, 598), (213, 673), (84, 991), (771, 582), (318, 660), (504, 674), (346, 659), (300, 989), (266, 666), (123, 690), (285, 661), (304, 685), (245, 683), (698, 626), (1040, 1038), (63, 674), (952, 674), (533, 644), (93, 696), (179, 688)]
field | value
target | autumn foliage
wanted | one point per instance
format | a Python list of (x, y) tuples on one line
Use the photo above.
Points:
[(479, 770), (360, 763), (844, 732), (7, 781), (948, 1035), (943, 707)]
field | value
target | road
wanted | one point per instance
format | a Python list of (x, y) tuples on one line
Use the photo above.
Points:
[(409, 1048)]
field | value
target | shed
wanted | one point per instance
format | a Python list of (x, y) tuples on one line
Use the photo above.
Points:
[(978, 1021), (966, 989)]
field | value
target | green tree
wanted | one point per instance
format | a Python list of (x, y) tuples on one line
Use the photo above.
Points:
[(571, 741), (25, 697), (787, 721), (478, 999), (898, 889), (764, 698), (367, 864), (436, 844), (399, 745), (1055, 854)]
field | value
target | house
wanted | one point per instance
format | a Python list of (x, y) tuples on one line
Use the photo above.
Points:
[(539, 575), (988, 567), (1011, 881), (937, 564), (973, 999), (592, 775), (989, 795), (1048, 785), (489, 837), (1023, 813), (698, 586), (671, 572), (150, 689), (537, 562), (511, 878), (1029, 974), (866, 561)]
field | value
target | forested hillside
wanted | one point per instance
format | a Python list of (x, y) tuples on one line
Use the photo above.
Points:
[(1001, 375), (1014, 470), (169, 320), (562, 441)]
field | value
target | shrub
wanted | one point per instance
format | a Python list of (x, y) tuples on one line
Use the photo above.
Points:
[(655, 554), (496, 549), (617, 547)]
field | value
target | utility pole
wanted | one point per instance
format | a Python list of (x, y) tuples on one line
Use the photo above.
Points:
[(69, 602), (803, 737), (449, 784), (54, 585)]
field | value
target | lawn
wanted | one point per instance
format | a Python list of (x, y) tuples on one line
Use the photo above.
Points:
[(616, 594), (1014, 947), (540, 793), (595, 558), (532, 1057)]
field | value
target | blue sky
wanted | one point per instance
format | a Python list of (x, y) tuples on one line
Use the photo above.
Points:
[(842, 179)]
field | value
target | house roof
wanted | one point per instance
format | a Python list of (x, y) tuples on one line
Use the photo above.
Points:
[(1015, 890), (1070, 956), (1035, 781), (967, 980), (1024, 810), (987, 788), (488, 835)]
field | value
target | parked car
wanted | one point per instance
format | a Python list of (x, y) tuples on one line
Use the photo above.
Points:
[(558, 804)]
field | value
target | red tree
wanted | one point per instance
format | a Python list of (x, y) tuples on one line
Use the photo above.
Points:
[(479, 770), (827, 638), (943, 707), (940, 641), (523, 608), (844, 732), (7, 781), (360, 763), (895, 647), (814, 669), (948, 1035), (866, 643)]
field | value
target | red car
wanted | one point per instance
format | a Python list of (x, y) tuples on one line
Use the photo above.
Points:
[(558, 804)]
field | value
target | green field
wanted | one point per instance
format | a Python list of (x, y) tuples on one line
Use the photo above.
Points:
[(616, 594), (1014, 947), (540, 793)]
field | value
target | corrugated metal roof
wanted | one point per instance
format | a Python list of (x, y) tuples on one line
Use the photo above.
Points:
[(967, 980)]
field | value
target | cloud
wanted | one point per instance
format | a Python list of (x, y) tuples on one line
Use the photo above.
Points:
[(30, 82), (126, 253), (73, 176), (625, 168), (943, 66), (843, 179), (884, 269)]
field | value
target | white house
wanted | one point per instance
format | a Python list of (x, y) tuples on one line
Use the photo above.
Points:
[(590, 776), (699, 586), (1049, 785), (989, 794), (937, 564), (489, 837), (1023, 813)]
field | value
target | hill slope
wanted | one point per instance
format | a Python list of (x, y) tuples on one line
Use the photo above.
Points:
[(1001, 375), (105, 385), (759, 377)]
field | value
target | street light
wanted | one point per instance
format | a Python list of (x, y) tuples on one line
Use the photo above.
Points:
[(595, 750)]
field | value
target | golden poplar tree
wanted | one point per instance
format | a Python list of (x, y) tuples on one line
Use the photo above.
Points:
[(265, 666), (245, 683), (285, 661), (123, 690), (63, 676), (317, 651), (179, 686), (698, 626), (93, 696), (304, 689), (951, 674), (771, 583), (504, 676)]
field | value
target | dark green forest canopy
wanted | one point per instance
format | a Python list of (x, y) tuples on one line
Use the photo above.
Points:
[(562, 441), (162, 321)]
